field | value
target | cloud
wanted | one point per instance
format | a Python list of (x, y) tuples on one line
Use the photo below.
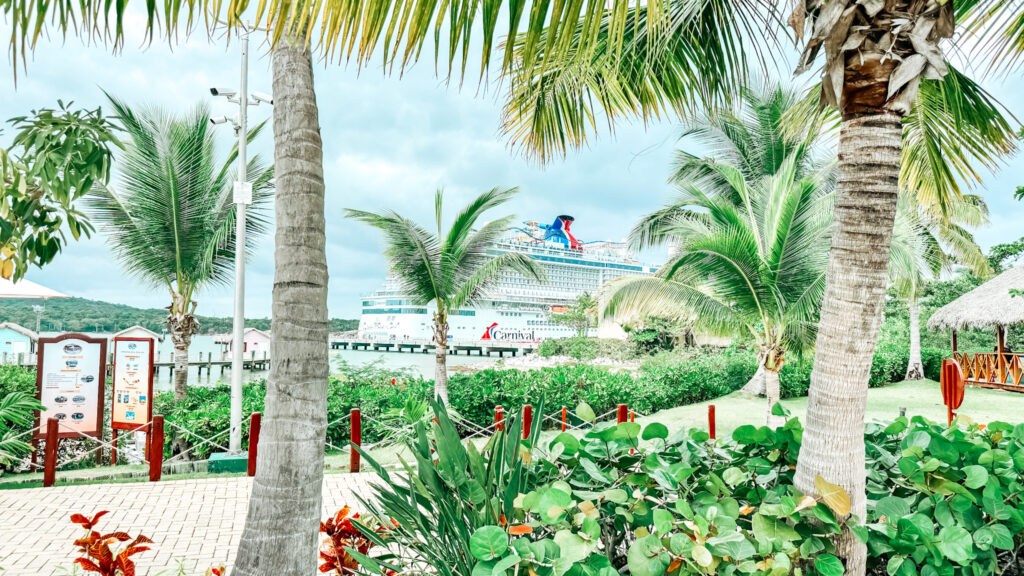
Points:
[(388, 144)]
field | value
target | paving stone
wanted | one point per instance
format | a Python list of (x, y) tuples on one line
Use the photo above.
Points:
[(198, 521)]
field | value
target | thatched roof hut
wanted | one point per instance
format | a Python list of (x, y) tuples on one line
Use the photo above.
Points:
[(989, 305)]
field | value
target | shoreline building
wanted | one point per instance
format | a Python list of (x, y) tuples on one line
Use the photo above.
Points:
[(517, 308)]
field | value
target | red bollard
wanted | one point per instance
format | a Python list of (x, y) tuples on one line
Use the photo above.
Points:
[(356, 420), (499, 418), (565, 414), (50, 453), (156, 448), (623, 413), (632, 416), (711, 421), (527, 420), (254, 440)]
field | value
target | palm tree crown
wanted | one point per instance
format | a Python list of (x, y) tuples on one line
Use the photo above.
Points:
[(449, 269), (750, 234)]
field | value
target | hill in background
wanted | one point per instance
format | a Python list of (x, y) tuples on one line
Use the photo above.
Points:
[(83, 315)]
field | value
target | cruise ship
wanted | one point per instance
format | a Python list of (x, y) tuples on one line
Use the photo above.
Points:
[(517, 308)]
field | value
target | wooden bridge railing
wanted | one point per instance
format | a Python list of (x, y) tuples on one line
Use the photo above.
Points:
[(988, 370)]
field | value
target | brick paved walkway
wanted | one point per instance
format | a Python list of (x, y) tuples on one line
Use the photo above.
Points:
[(198, 521)]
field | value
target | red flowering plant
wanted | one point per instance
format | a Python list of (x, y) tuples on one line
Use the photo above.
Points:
[(341, 534), (100, 552)]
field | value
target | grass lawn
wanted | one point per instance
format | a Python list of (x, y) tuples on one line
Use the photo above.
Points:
[(921, 397), (918, 397)]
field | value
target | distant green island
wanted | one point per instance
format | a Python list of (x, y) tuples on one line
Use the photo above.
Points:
[(83, 315)]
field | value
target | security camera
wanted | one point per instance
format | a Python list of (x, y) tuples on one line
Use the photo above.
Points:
[(225, 92), (261, 97), (219, 120)]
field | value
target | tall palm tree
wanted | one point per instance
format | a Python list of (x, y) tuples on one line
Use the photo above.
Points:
[(169, 217), (878, 60), (281, 528), (749, 231), (925, 245), (449, 269)]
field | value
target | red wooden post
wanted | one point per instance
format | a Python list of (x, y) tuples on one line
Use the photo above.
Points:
[(527, 420), (499, 418), (632, 416), (35, 452), (711, 421), (355, 418), (254, 440), (623, 413), (113, 451), (50, 453), (565, 414), (156, 448)]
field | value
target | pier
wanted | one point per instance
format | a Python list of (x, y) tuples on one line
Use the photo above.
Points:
[(252, 361), (498, 348)]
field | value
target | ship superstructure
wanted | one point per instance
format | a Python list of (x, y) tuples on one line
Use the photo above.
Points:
[(516, 308)]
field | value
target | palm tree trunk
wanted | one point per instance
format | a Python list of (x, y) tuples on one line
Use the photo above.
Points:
[(915, 368), (833, 441), (755, 385), (181, 329), (773, 393), (180, 366), (441, 358), (281, 529)]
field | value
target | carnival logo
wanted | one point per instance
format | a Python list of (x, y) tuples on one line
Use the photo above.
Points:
[(495, 333), (487, 332)]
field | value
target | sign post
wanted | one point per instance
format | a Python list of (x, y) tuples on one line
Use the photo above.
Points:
[(71, 374), (132, 393)]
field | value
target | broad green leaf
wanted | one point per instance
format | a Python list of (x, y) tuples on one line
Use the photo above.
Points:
[(585, 412), (733, 545), (655, 430), (956, 544), (488, 543), (977, 476), (829, 565), (892, 508)]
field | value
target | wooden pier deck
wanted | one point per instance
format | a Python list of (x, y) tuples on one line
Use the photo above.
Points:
[(424, 345)]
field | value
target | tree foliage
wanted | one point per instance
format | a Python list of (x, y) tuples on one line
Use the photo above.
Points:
[(581, 315), (56, 157)]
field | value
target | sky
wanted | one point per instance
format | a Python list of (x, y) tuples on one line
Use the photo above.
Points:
[(389, 143)]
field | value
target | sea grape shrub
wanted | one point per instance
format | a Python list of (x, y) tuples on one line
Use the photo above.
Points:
[(621, 499), (945, 500), (100, 553)]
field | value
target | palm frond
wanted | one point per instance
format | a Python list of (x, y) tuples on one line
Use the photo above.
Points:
[(631, 298), (415, 253), (488, 274), (168, 215)]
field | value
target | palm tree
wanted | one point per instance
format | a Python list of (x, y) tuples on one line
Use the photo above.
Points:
[(169, 217), (449, 269), (879, 61), (923, 246), (281, 529), (749, 231)]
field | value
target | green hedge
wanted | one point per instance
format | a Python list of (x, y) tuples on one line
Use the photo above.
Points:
[(665, 381)]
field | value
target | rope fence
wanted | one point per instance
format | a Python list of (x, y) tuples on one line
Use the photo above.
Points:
[(564, 419)]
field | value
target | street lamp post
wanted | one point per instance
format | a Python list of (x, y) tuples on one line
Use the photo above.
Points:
[(242, 198)]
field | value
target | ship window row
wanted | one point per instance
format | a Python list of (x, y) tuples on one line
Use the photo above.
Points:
[(395, 311)]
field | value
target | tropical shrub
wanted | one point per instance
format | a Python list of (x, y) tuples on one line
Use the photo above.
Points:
[(586, 348), (618, 499), (97, 553), (623, 499)]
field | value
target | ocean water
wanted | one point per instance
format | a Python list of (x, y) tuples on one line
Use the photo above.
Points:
[(417, 363)]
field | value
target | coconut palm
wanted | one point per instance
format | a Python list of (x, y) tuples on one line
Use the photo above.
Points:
[(749, 232), (169, 217), (925, 245), (876, 58), (17, 410), (449, 269)]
